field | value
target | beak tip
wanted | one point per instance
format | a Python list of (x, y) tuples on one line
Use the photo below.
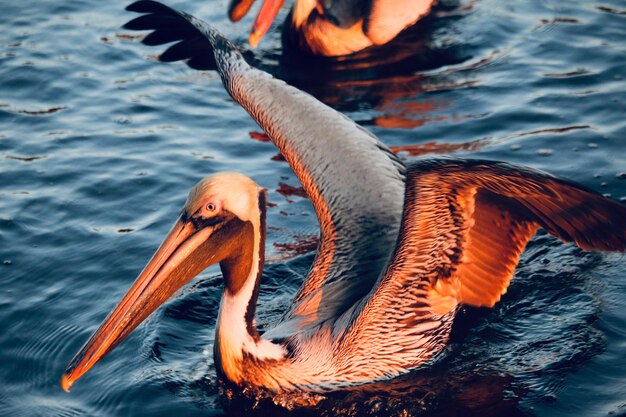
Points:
[(254, 39), (66, 383)]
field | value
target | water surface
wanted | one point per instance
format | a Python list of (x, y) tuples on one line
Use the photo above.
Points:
[(99, 145)]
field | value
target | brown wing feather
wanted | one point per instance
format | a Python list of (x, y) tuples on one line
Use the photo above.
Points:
[(465, 225), (501, 208), (491, 250)]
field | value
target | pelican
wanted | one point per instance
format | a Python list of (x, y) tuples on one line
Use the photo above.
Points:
[(401, 248), (332, 28)]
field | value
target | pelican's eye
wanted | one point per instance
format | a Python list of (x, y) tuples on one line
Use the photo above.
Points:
[(212, 207)]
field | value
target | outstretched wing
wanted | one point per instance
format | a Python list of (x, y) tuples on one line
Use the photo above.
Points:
[(354, 182), (384, 19), (465, 225)]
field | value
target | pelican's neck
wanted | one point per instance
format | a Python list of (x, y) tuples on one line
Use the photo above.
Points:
[(236, 334)]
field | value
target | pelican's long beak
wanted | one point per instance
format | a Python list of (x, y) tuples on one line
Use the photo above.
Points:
[(237, 9), (264, 20), (185, 252)]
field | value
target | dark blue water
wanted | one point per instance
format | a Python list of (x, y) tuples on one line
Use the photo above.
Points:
[(99, 145)]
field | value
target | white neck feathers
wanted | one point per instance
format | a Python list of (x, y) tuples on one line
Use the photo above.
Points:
[(233, 336)]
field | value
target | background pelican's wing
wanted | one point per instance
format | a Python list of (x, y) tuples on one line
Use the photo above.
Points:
[(464, 227), (354, 181), (384, 19)]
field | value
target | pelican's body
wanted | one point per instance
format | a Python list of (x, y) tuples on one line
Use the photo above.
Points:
[(401, 247), (332, 28)]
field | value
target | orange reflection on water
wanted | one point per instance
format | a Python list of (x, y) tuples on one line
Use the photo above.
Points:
[(406, 114), (299, 246), (260, 136), (288, 190), (421, 149)]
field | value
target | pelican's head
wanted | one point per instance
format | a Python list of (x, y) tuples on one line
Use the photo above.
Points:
[(220, 223), (221, 200)]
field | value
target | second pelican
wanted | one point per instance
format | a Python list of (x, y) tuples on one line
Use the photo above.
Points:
[(401, 247), (332, 28)]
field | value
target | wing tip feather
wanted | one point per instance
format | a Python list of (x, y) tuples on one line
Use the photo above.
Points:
[(192, 39)]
